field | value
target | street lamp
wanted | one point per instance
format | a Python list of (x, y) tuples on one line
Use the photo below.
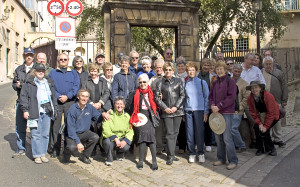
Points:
[(257, 7), (6, 16)]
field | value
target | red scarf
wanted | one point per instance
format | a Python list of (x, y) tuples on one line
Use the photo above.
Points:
[(134, 117)]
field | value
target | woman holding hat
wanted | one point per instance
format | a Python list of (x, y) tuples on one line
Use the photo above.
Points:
[(38, 103), (265, 112), (222, 101)]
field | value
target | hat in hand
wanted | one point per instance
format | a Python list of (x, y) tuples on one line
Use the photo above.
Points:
[(217, 123)]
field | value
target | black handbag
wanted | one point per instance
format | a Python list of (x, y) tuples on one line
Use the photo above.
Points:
[(154, 118)]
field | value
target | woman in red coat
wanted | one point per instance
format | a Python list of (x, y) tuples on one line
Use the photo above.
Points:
[(265, 112)]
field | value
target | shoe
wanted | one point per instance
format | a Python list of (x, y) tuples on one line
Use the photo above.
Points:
[(53, 154), (140, 165), (208, 148), (170, 160), (192, 158), (273, 152), (38, 160), (159, 152), (175, 159), (108, 163), (218, 163), (180, 151), (120, 157), (201, 158), (154, 166), (259, 152), (240, 149), (231, 166), (44, 159), (66, 158), (84, 159), (281, 144), (18, 153)]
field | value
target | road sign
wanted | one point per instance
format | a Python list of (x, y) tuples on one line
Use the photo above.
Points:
[(65, 43), (55, 7), (65, 27), (74, 7)]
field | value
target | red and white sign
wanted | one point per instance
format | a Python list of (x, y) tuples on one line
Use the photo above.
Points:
[(65, 27), (74, 7), (55, 7)]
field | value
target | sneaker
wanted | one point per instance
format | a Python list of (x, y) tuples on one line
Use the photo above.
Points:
[(44, 159), (201, 158), (38, 160), (218, 163), (192, 158), (108, 163), (231, 166), (240, 149), (18, 153), (208, 148)]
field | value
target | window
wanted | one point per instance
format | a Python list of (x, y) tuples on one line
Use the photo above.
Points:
[(17, 51), (7, 37), (0, 51), (242, 44), (227, 44), (12, 15)]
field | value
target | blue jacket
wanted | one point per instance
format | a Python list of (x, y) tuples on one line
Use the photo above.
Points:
[(65, 83), (135, 71), (123, 84), (79, 125), (150, 73), (195, 98)]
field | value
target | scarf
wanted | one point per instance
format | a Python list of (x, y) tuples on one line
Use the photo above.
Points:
[(134, 117)]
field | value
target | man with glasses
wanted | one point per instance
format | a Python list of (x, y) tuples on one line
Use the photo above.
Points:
[(229, 64), (66, 84), (134, 66), (100, 60), (168, 57), (42, 58), (276, 65), (220, 56), (22, 73)]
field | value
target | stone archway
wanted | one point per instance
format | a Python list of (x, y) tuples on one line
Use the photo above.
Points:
[(120, 16)]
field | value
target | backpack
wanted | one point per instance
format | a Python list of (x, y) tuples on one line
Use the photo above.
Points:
[(237, 104)]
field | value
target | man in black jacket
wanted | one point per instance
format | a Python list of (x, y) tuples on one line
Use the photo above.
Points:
[(22, 73)]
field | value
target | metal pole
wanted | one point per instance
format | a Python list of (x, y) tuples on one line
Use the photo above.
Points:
[(257, 31)]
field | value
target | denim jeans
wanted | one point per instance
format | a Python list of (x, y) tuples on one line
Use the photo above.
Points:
[(225, 143), (40, 136), (195, 131), (237, 139), (21, 125)]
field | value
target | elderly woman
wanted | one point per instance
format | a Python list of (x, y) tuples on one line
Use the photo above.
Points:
[(108, 74), (169, 97), (78, 66), (143, 102), (181, 68), (265, 112), (117, 132), (146, 64), (38, 103), (196, 109), (222, 100)]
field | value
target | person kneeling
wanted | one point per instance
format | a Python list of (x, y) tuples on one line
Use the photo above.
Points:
[(117, 132)]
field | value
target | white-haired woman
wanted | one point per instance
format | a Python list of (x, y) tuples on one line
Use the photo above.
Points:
[(146, 63), (143, 101)]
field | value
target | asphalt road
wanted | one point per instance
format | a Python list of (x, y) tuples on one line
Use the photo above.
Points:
[(23, 171), (286, 173)]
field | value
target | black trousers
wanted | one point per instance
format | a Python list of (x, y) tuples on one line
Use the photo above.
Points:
[(172, 125), (263, 140), (87, 138), (181, 138)]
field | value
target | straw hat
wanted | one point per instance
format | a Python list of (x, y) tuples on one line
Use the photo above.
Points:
[(217, 123), (142, 120)]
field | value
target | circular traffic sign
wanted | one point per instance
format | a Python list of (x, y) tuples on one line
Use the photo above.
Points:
[(65, 27), (55, 7), (74, 7)]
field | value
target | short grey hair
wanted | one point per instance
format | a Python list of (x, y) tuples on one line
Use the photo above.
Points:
[(133, 51), (120, 98), (180, 60), (237, 66), (41, 53), (125, 58), (248, 55), (159, 61), (268, 58), (146, 59), (143, 75)]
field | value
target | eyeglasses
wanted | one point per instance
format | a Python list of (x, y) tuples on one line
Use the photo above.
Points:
[(169, 53), (79, 61), (229, 64), (141, 82), (108, 69), (134, 57), (63, 59), (169, 70)]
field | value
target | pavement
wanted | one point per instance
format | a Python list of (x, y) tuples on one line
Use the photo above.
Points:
[(251, 170)]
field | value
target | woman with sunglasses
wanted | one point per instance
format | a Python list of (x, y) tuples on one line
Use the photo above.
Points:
[(169, 97), (142, 101), (78, 66), (108, 74)]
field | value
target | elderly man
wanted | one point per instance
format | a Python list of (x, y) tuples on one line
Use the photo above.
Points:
[(242, 99), (66, 84), (168, 57), (22, 73), (269, 53), (42, 58), (220, 56), (100, 60), (135, 67), (229, 63), (117, 66), (276, 85)]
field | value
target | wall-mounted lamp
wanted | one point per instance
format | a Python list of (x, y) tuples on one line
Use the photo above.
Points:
[(6, 12)]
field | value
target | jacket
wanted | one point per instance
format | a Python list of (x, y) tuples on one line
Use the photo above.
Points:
[(65, 83), (28, 98), (22, 76), (135, 71), (243, 95), (223, 96), (272, 109), (117, 127), (150, 73), (83, 76), (123, 84), (48, 68), (104, 92), (207, 77), (172, 96)]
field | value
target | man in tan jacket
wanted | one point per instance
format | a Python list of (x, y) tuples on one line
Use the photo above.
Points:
[(242, 98)]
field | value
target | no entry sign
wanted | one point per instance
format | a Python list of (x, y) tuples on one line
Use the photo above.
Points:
[(74, 7), (55, 7), (65, 27)]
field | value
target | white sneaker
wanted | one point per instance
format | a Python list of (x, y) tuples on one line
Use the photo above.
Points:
[(201, 158), (108, 163), (208, 148), (192, 158)]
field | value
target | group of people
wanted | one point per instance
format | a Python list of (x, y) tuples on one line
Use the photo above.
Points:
[(147, 102)]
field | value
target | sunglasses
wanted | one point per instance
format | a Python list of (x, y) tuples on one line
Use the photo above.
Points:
[(63, 59), (108, 69), (169, 53), (134, 57), (229, 64), (169, 70), (141, 82)]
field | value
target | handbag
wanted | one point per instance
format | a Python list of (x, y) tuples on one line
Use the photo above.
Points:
[(154, 118)]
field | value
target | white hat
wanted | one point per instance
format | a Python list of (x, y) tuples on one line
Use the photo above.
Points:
[(142, 120), (217, 123)]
